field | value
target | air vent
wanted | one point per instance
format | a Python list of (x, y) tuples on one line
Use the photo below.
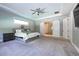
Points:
[(56, 12)]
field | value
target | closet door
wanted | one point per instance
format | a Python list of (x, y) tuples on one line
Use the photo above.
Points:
[(67, 28), (56, 28), (42, 28)]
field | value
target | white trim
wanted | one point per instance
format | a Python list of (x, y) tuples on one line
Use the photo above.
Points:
[(71, 19), (75, 46), (55, 15), (74, 6)]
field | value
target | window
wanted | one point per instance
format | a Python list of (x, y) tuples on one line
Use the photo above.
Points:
[(21, 22)]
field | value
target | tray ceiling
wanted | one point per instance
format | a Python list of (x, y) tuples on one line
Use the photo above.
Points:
[(24, 8)]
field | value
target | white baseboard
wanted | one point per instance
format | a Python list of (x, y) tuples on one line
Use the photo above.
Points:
[(75, 46)]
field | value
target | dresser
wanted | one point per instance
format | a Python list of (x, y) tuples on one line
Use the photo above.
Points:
[(8, 37), (1, 37)]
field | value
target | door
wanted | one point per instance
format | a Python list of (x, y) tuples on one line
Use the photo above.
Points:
[(67, 28), (56, 28), (47, 27)]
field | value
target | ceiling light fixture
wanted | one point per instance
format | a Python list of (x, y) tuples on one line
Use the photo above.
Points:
[(38, 11)]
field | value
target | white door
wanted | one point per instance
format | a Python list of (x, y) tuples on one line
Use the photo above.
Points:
[(42, 28), (67, 28), (56, 28)]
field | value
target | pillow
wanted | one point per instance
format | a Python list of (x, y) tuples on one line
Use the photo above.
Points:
[(28, 31), (18, 31), (24, 30)]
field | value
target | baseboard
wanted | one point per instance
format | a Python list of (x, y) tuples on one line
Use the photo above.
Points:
[(75, 46)]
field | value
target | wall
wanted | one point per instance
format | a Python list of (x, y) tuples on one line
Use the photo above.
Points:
[(75, 31), (7, 23), (75, 34), (31, 22)]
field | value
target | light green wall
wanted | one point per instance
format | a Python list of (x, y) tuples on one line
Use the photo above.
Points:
[(76, 36), (31, 22), (75, 32), (7, 24), (7, 20)]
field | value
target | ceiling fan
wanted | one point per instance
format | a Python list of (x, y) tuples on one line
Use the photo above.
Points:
[(38, 11)]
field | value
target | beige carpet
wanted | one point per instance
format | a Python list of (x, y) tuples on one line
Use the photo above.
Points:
[(54, 46), (39, 47)]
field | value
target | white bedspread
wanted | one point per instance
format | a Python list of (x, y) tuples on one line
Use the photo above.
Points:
[(27, 36)]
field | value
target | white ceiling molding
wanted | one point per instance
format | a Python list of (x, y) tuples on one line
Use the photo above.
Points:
[(66, 8), (55, 15), (74, 6), (13, 11)]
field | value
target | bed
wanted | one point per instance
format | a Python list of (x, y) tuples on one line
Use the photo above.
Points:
[(26, 36)]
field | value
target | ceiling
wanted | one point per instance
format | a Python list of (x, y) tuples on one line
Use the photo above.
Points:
[(5, 13), (23, 9)]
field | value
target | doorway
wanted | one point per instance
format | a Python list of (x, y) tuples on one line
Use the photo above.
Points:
[(50, 28)]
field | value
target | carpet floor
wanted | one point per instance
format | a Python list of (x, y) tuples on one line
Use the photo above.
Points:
[(39, 47)]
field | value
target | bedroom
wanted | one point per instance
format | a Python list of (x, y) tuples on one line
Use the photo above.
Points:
[(36, 29)]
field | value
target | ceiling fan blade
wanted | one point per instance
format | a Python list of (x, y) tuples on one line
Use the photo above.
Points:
[(43, 9), (33, 13), (32, 10), (43, 12)]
